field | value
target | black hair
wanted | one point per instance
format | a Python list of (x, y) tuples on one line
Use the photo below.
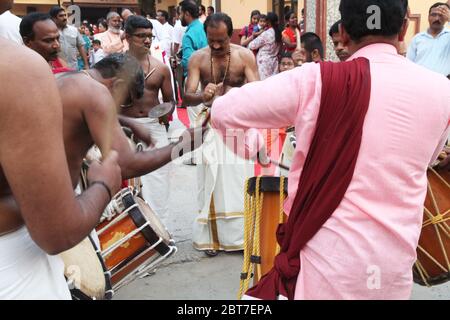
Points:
[(254, 13), (448, 77), (286, 54), (355, 16), (102, 21), (311, 42), (212, 8), (288, 15), (125, 67), (28, 22), (334, 28), (96, 41), (136, 22), (55, 10), (438, 4), (191, 7), (202, 7), (263, 17), (214, 20), (272, 17), (165, 14)]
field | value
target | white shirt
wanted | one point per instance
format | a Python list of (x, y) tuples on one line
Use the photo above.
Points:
[(178, 33), (169, 30), (162, 37), (9, 27), (96, 56)]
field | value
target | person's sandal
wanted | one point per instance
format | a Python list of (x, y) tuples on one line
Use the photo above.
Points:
[(211, 253)]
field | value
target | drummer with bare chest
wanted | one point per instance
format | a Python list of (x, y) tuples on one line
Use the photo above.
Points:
[(139, 34), (157, 75), (219, 67)]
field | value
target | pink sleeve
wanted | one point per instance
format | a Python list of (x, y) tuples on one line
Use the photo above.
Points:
[(271, 104)]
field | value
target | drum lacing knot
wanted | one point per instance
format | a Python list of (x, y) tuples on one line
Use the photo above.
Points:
[(112, 209), (439, 218)]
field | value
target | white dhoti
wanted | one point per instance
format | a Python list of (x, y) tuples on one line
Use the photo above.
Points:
[(221, 176), (27, 272), (155, 185)]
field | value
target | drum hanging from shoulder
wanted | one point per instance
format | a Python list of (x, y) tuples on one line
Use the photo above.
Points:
[(264, 199), (86, 272), (433, 254), (134, 241)]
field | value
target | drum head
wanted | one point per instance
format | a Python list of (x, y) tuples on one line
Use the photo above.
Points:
[(83, 267), (161, 110), (153, 219)]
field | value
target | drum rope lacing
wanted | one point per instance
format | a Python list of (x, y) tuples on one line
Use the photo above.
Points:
[(253, 206), (439, 223)]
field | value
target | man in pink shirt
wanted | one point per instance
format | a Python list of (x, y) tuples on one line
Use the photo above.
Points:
[(366, 248)]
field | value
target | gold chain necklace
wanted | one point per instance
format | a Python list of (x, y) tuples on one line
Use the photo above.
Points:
[(213, 73)]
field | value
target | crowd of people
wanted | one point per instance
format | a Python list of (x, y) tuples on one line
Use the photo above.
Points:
[(365, 126)]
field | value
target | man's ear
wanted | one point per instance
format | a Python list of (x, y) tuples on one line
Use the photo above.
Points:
[(403, 30), (315, 56), (26, 41), (345, 38), (119, 90)]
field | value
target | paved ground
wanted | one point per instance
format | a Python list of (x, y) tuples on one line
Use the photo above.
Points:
[(189, 274)]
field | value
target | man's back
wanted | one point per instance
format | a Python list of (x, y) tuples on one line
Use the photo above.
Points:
[(408, 113), (377, 225)]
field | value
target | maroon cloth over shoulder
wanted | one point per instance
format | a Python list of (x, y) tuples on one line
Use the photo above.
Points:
[(327, 172)]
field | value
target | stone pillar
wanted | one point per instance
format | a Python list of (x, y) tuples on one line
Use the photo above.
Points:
[(320, 16)]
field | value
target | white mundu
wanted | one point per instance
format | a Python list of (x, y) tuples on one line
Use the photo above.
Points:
[(27, 272), (221, 176)]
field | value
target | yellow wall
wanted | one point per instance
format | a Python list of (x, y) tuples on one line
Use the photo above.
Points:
[(165, 4), (421, 7)]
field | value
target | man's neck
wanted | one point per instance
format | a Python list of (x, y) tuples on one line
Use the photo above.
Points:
[(140, 56), (435, 32), (369, 40)]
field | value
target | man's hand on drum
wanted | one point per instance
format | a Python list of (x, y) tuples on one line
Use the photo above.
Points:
[(211, 91), (108, 171), (445, 164)]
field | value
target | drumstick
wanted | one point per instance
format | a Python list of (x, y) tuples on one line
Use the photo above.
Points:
[(207, 119)]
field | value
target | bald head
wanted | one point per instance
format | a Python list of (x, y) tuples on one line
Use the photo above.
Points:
[(126, 13)]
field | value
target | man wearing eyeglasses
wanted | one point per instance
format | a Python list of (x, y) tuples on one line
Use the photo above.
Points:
[(139, 35)]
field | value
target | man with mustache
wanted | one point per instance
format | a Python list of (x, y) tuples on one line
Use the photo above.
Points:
[(70, 39), (341, 51), (431, 49), (217, 69), (112, 38), (41, 34)]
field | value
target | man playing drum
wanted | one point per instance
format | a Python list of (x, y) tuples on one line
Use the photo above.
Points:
[(219, 68), (139, 35), (39, 214), (358, 181)]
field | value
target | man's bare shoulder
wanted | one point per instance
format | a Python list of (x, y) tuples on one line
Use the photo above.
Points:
[(83, 91), (155, 63), (199, 55), (244, 53)]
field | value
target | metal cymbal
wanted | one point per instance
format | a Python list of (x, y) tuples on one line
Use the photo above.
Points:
[(161, 110)]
